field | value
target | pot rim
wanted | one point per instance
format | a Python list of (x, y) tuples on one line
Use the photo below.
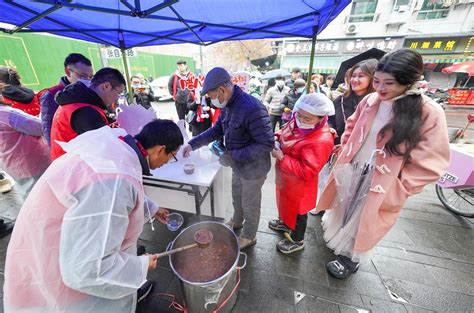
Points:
[(232, 268)]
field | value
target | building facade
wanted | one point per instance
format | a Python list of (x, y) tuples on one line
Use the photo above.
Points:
[(441, 30)]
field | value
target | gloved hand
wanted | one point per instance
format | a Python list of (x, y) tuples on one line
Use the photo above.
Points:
[(226, 159)]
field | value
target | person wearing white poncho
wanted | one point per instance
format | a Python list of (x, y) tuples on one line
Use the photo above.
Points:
[(73, 248)]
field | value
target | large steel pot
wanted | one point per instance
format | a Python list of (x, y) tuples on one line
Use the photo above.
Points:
[(220, 292)]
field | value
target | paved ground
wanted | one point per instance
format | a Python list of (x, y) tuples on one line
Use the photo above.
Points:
[(425, 264)]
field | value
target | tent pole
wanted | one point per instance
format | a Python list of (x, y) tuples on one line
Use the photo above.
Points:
[(311, 61), (127, 75)]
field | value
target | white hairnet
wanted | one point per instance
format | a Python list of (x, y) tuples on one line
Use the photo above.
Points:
[(316, 104)]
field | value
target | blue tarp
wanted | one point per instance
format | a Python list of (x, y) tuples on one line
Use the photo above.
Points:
[(133, 23)]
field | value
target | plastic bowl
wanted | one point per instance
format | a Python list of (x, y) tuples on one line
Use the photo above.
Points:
[(188, 168), (174, 222)]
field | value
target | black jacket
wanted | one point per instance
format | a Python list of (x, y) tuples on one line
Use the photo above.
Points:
[(182, 95), (337, 120), (86, 118), (199, 127), (244, 124), (290, 99), (144, 99)]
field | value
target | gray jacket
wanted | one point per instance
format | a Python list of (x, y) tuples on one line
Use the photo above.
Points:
[(273, 99)]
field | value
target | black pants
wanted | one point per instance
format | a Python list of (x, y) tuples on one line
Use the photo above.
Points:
[(274, 119), (300, 229), (181, 109)]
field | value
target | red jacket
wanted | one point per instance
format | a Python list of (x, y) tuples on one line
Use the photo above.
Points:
[(297, 173), (61, 129)]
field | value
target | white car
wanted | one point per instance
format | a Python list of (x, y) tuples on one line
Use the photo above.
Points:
[(160, 88)]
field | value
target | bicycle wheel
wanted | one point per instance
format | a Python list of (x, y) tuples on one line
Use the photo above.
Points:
[(458, 201)]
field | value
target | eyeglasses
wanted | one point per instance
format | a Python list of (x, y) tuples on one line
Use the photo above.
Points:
[(174, 159), (81, 75), (118, 91)]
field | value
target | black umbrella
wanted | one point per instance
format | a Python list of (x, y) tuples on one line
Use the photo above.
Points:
[(373, 53)]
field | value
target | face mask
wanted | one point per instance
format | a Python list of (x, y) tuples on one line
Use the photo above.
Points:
[(300, 90), (135, 85), (217, 103), (86, 82), (302, 125), (280, 83)]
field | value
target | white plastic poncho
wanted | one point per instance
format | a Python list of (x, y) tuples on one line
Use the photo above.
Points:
[(73, 248), (24, 154)]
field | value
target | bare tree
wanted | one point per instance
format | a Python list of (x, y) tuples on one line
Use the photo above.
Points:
[(236, 55)]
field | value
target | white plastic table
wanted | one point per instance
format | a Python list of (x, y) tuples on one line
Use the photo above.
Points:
[(171, 187)]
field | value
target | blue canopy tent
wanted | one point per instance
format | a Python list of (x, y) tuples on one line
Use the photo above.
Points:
[(134, 23)]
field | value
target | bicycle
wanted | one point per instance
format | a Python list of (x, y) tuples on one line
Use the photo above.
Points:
[(455, 189)]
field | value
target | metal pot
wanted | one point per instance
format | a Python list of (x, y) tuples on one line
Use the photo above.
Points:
[(221, 292)]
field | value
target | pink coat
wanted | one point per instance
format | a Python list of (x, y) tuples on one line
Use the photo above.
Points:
[(429, 159)]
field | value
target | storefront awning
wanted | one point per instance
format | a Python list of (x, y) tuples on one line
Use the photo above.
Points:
[(450, 58), (322, 64)]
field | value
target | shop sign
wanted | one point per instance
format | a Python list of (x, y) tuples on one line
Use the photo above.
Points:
[(362, 45), (342, 46), (440, 45)]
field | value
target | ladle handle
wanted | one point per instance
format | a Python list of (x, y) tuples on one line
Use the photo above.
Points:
[(193, 245)]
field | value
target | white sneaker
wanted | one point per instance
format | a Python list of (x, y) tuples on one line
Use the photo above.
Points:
[(5, 184)]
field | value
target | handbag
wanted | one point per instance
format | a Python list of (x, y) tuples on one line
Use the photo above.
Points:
[(191, 118)]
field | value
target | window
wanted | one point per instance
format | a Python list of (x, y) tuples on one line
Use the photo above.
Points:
[(401, 3), (363, 11), (432, 9)]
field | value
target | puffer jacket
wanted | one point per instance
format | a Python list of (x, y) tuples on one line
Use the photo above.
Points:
[(21, 98), (248, 138), (181, 95), (273, 99), (49, 106)]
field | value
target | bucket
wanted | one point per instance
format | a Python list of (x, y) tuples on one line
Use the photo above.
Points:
[(210, 276)]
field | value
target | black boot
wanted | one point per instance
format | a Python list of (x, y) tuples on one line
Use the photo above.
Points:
[(5, 228)]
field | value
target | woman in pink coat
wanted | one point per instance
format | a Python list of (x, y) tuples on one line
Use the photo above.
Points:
[(410, 131), (302, 148)]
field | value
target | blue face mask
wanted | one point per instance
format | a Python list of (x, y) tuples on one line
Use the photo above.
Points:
[(300, 90)]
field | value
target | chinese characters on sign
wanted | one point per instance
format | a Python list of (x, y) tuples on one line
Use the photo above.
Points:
[(241, 79), (439, 45), (363, 45), (192, 82), (113, 53), (343, 46)]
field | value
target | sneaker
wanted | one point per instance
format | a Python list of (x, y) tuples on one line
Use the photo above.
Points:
[(6, 228), (315, 213), (278, 225), (288, 245), (233, 225), (342, 267), (245, 243), (144, 291), (5, 184)]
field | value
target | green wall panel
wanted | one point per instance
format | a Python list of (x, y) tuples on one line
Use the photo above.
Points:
[(39, 58)]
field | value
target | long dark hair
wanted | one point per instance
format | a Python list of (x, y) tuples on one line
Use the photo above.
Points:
[(406, 66), (366, 66)]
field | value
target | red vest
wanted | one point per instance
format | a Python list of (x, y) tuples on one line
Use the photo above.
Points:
[(32, 108), (61, 129)]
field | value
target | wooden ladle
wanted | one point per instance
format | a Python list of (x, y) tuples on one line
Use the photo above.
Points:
[(202, 238)]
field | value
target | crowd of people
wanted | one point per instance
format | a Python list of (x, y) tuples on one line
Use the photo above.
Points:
[(81, 176)]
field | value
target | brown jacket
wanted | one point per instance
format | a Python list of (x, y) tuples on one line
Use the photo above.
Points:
[(428, 161)]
